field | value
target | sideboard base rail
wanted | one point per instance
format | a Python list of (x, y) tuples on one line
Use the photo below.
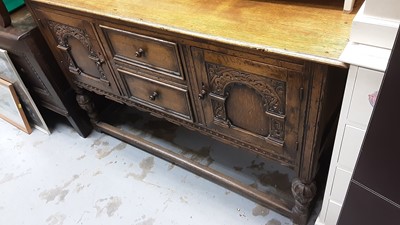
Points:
[(265, 199)]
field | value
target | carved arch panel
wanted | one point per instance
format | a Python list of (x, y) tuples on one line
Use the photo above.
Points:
[(248, 102), (80, 52)]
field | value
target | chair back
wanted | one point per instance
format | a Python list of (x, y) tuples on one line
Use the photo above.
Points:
[(5, 19)]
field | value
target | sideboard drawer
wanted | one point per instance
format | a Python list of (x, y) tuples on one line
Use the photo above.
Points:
[(143, 51), (164, 97)]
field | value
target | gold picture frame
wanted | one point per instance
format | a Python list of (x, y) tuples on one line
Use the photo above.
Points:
[(11, 109), (10, 74)]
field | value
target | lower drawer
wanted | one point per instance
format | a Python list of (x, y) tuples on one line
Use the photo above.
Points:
[(333, 213), (350, 147), (155, 94), (340, 185)]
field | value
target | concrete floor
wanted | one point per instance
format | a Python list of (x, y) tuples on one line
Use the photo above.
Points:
[(65, 179)]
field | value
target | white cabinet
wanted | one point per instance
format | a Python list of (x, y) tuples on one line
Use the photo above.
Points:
[(361, 88), (386, 9), (372, 35)]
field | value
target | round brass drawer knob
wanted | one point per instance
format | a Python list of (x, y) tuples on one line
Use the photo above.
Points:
[(153, 96), (139, 53)]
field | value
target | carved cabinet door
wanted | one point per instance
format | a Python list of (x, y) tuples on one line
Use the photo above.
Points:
[(255, 103), (76, 47)]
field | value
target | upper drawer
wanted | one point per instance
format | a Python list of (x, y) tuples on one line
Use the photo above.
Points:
[(365, 92), (143, 51)]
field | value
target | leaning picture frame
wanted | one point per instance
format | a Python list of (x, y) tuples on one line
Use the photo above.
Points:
[(10, 74), (10, 108)]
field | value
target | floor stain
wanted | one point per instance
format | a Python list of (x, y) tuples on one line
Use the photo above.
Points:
[(146, 165), (60, 192), (56, 219), (97, 173), (184, 199), (184, 179), (81, 157), (10, 176), (102, 153), (273, 222), (238, 168), (254, 185), (79, 187), (149, 221), (127, 116), (98, 141), (37, 143), (171, 166), (278, 180), (18, 146), (256, 166), (260, 211), (200, 155), (166, 131), (80, 219), (160, 129), (110, 206)]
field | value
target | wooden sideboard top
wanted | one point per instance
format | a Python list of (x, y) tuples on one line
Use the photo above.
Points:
[(308, 29)]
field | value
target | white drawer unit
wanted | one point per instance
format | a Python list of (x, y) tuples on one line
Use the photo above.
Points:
[(361, 90), (372, 35)]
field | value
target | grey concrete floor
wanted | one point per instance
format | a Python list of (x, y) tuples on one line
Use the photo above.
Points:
[(65, 179)]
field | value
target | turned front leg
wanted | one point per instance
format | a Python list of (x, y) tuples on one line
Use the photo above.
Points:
[(303, 193), (86, 103)]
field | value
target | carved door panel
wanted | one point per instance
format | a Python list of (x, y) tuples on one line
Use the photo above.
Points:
[(78, 49), (255, 103)]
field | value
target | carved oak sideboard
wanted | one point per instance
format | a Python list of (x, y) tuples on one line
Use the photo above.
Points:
[(222, 70)]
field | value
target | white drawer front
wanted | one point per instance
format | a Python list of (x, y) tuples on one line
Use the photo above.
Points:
[(332, 215), (366, 87), (340, 185), (350, 148)]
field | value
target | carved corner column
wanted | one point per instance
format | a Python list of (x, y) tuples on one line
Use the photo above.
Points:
[(86, 103), (304, 193)]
